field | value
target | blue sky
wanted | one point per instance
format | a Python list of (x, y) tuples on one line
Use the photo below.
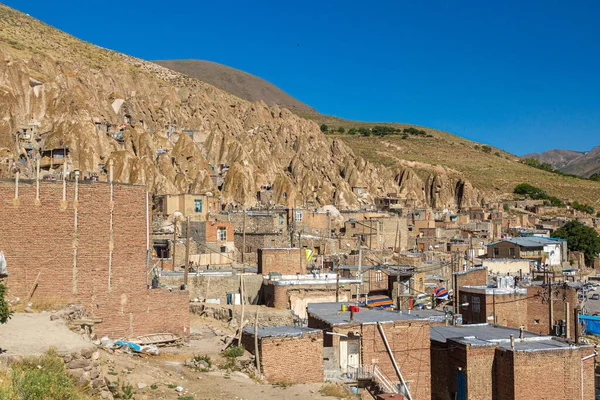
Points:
[(522, 76)]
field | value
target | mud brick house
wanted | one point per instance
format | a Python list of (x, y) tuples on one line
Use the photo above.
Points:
[(212, 237), (87, 242), (368, 232), (542, 250), (482, 362), (310, 221), (197, 206), (295, 292), (289, 354), (285, 261), (258, 229), (356, 342)]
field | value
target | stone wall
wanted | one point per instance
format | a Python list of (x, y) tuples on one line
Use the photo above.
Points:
[(89, 250), (217, 286), (84, 367)]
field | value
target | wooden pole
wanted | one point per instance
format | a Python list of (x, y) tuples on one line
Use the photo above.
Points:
[(337, 284), (567, 325), (174, 240), (187, 253), (396, 238), (243, 236), (550, 308), (256, 349), (243, 308)]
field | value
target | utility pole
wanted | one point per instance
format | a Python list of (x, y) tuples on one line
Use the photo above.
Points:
[(337, 283), (174, 240), (567, 325), (243, 236), (576, 322), (359, 271), (256, 352), (300, 247), (187, 253), (398, 299), (550, 308), (328, 225), (396, 238)]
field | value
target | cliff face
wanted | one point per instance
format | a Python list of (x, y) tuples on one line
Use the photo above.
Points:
[(174, 133)]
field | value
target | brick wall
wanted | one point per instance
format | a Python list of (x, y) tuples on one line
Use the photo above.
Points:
[(40, 239), (285, 261), (473, 277), (560, 371), (538, 309), (409, 341), (290, 359)]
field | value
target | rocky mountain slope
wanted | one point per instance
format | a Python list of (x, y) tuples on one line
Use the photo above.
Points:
[(239, 83), (175, 133), (571, 162)]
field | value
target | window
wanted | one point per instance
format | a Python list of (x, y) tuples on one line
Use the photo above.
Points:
[(198, 205), (359, 190), (222, 233), (496, 252), (281, 220), (378, 277), (511, 251), (476, 304), (223, 249), (298, 216)]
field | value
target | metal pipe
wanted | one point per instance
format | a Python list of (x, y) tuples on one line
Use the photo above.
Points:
[(582, 360), (391, 354)]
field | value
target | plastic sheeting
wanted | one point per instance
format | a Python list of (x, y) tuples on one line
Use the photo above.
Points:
[(3, 270), (589, 324)]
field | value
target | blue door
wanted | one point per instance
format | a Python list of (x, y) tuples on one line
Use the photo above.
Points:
[(462, 386)]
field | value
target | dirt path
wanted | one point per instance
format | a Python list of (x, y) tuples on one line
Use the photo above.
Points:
[(33, 334), (156, 377)]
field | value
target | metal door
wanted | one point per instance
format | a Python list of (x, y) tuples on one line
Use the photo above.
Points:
[(462, 386)]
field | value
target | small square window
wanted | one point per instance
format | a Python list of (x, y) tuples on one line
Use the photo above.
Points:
[(222, 233), (198, 205), (298, 216)]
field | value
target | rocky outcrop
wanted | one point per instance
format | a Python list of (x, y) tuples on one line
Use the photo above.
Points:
[(174, 133)]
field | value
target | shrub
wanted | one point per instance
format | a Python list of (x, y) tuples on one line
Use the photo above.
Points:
[(352, 131), (486, 149), (333, 390), (324, 128), (204, 358), (341, 129), (364, 131), (5, 311), (41, 378), (233, 352), (529, 190), (497, 154)]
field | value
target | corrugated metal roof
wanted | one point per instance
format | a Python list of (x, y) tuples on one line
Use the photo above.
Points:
[(332, 314)]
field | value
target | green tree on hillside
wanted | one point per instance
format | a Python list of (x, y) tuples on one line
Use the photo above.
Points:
[(341, 129), (580, 238), (324, 128)]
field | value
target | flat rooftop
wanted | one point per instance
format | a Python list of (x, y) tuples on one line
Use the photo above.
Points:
[(332, 314), (492, 335), (280, 331)]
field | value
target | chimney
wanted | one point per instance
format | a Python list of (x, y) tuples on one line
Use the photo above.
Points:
[(512, 342)]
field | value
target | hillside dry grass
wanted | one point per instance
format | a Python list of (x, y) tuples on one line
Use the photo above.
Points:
[(496, 172)]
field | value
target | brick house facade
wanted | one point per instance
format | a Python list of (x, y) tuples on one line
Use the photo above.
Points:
[(87, 249), (286, 261), (288, 354)]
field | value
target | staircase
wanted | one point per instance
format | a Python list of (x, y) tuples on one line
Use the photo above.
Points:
[(376, 375)]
